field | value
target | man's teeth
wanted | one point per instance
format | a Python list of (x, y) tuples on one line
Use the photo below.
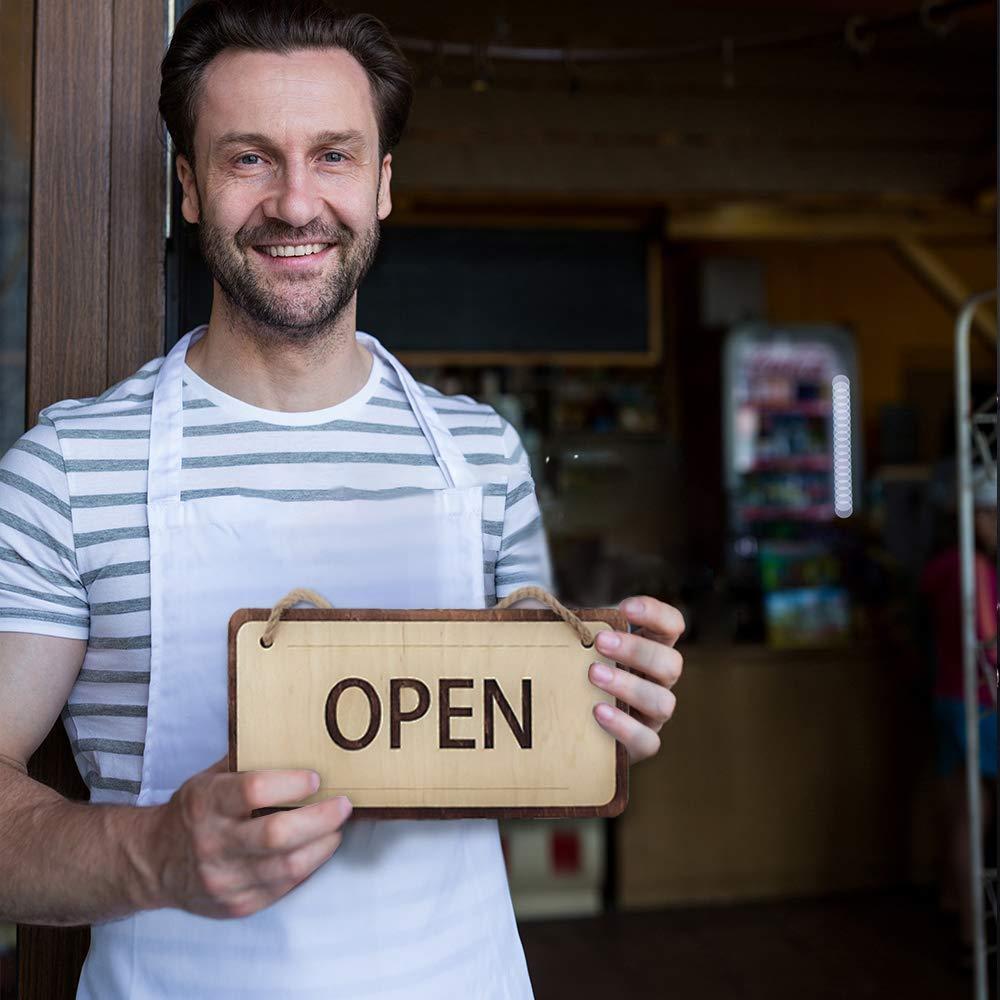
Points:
[(299, 251)]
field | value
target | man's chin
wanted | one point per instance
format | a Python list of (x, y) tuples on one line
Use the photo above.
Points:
[(288, 300), (286, 318)]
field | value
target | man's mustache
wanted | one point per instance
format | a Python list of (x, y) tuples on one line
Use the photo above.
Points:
[(271, 233)]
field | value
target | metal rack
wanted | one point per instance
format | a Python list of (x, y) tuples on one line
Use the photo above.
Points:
[(976, 434)]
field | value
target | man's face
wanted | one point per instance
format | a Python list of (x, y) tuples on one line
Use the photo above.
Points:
[(289, 186)]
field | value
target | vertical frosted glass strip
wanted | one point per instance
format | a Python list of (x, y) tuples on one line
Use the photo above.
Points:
[(843, 482)]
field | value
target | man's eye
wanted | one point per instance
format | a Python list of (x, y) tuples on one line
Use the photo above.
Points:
[(248, 160), (333, 157)]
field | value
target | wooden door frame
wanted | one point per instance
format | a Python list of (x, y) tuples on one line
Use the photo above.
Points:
[(95, 309)]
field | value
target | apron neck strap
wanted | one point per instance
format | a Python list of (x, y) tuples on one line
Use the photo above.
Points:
[(166, 429), (450, 459)]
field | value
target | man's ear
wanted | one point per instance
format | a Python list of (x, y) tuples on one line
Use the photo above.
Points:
[(190, 205), (384, 187)]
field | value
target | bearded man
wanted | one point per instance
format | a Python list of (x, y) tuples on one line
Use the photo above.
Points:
[(276, 446)]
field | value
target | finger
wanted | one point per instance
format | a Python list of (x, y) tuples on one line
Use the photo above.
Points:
[(239, 794), (654, 701), (654, 617), (640, 741), (282, 872), (287, 831), (662, 663)]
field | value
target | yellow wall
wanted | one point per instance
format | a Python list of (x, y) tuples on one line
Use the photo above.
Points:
[(900, 324)]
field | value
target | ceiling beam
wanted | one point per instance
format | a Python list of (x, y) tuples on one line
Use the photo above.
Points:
[(762, 220), (945, 284)]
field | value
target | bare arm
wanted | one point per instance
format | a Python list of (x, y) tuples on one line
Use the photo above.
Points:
[(65, 862)]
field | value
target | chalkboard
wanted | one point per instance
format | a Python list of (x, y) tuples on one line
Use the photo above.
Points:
[(483, 291), (481, 295)]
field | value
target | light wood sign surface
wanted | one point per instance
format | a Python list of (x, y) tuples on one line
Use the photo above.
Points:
[(433, 714)]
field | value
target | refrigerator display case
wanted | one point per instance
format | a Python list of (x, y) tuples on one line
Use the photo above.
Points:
[(792, 462)]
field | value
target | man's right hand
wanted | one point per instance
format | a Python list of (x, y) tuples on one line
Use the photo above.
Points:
[(65, 863), (207, 854)]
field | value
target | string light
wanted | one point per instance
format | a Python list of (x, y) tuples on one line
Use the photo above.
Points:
[(936, 17)]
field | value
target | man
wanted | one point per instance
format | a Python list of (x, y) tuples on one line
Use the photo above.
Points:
[(274, 448)]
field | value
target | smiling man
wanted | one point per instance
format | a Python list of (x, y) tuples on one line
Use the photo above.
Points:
[(276, 447)]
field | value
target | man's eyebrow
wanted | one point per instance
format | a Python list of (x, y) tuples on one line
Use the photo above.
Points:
[(243, 139), (347, 137)]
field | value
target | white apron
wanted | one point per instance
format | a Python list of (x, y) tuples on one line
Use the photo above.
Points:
[(414, 909)]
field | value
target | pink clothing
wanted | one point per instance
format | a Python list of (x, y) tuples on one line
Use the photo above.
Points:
[(941, 584)]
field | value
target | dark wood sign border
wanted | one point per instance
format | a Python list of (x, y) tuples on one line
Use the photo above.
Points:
[(612, 617)]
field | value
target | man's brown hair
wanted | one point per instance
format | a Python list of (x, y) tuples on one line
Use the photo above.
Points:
[(210, 26)]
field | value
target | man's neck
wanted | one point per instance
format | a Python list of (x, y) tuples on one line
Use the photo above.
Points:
[(263, 369)]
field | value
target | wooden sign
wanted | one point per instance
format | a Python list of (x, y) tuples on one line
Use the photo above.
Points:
[(428, 714)]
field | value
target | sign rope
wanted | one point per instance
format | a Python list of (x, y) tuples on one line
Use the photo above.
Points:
[(303, 595)]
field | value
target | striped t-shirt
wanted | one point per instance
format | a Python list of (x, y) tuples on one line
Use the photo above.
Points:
[(74, 541)]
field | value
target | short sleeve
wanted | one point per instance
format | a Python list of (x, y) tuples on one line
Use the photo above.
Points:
[(40, 586), (524, 556)]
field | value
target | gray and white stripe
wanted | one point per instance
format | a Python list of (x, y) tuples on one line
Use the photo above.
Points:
[(74, 541)]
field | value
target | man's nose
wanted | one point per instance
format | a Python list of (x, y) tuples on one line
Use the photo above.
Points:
[(295, 198)]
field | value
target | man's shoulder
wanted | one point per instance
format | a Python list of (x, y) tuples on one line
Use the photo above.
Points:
[(36, 457), (455, 411), (485, 436), (389, 379), (131, 397), (445, 402)]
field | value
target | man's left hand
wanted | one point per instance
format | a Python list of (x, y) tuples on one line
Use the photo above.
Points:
[(649, 649)]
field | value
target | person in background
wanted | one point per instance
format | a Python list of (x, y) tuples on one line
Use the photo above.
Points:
[(941, 585)]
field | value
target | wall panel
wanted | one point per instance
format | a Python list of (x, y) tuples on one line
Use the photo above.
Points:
[(96, 281)]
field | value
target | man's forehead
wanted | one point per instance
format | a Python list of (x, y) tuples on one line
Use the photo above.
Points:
[(287, 96)]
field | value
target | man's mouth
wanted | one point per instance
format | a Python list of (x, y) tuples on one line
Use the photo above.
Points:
[(293, 249)]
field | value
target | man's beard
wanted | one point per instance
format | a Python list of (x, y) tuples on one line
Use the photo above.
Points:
[(295, 317)]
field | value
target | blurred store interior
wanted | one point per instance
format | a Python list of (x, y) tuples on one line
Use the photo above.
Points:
[(714, 285)]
